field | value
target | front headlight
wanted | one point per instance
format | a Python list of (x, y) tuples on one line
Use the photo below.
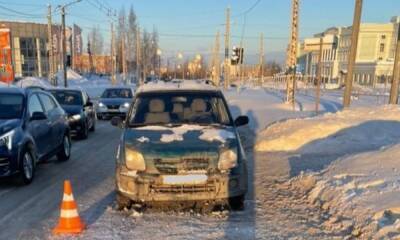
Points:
[(227, 160), (126, 105), (134, 160), (6, 140), (76, 117), (101, 104)]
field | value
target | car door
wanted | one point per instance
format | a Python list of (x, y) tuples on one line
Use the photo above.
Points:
[(88, 109), (54, 121), (38, 129)]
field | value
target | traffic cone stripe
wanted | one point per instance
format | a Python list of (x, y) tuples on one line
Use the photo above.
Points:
[(68, 197), (69, 213)]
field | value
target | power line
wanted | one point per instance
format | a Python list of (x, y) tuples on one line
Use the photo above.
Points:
[(19, 13), (248, 10)]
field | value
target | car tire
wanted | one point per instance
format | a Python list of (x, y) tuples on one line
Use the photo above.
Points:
[(93, 128), (27, 167), (65, 149), (84, 134), (237, 203), (123, 202)]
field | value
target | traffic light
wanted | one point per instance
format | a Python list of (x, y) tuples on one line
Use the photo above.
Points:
[(237, 56)]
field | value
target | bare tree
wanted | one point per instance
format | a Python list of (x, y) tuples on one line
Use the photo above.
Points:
[(96, 41)]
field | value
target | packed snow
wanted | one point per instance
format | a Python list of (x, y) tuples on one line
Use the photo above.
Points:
[(345, 164)]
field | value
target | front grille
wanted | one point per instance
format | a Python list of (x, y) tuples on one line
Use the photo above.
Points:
[(113, 107), (209, 187), (174, 166)]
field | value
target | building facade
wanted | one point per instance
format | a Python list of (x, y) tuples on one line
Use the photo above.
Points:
[(375, 53), (30, 48)]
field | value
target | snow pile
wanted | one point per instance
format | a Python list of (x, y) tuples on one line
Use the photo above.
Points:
[(347, 164), (292, 135), (176, 133), (33, 82), (73, 77)]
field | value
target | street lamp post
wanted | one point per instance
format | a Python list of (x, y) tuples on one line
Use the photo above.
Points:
[(64, 40), (159, 52)]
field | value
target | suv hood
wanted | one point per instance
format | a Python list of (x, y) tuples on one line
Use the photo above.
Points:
[(115, 101), (8, 124), (178, 145), (72, 109)]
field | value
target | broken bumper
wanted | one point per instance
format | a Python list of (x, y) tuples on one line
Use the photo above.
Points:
[(142, 188)]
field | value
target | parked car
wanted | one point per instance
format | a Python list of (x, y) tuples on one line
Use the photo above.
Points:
[(114, 102), (33, 127), (79, 108), (180, 144)]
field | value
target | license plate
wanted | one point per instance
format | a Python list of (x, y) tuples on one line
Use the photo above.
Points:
[(113, 110), (185, 179)]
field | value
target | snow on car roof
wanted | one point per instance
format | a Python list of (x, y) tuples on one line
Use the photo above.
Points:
[(178, 85)]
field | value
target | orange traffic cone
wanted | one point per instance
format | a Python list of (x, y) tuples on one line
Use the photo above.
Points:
[(69, 221)]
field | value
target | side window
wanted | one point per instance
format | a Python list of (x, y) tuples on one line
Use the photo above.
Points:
[(34, 105), (48, 103)]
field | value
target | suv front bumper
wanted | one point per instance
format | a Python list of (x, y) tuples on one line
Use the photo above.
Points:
[(145, 188)]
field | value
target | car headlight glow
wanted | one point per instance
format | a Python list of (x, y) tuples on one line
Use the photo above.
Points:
[(76, 117), (227, 160), (126, 105), (6, 139), (101, 104), (134, 160)]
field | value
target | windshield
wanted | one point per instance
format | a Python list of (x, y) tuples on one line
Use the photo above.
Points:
[(117, 93), (178, 108), (68, 97), (11, 106)]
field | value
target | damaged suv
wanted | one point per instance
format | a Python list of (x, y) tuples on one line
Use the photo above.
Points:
[(180, 146)]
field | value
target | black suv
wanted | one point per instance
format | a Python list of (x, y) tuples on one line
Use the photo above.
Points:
[(79, 108), (33, 127)]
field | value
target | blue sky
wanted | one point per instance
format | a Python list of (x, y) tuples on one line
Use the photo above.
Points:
[(205, 17)]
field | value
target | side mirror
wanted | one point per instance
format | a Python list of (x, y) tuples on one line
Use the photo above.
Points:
[(117, 122), (241, 121), (36, 116)]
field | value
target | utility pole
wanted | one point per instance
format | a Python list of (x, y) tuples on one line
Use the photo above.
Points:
[(292, 56), (394, 90), (227, 50), (319, 73), (123, 57), (261, 61), (138, 57), (353, 53), (215, 62), (50, 46), (113, 60), (64, 46)]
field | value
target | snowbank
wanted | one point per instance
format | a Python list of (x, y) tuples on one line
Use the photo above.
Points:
[(33, 82), (294, 134), (347, 164)]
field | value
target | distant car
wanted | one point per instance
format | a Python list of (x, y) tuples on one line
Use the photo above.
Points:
[(33, 127), (79, 108), (114, 102), (180, 145)]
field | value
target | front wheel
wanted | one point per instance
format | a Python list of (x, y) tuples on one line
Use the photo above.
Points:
[(122, 202), (65, 150), (27, 168)]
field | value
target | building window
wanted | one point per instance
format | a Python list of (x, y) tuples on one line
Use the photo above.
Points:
[(383, 37), (382, 47)]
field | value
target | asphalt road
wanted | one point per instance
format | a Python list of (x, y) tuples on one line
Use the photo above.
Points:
[(25, 211)]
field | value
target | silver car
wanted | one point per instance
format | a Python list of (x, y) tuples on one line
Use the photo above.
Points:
[(114, 102)]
